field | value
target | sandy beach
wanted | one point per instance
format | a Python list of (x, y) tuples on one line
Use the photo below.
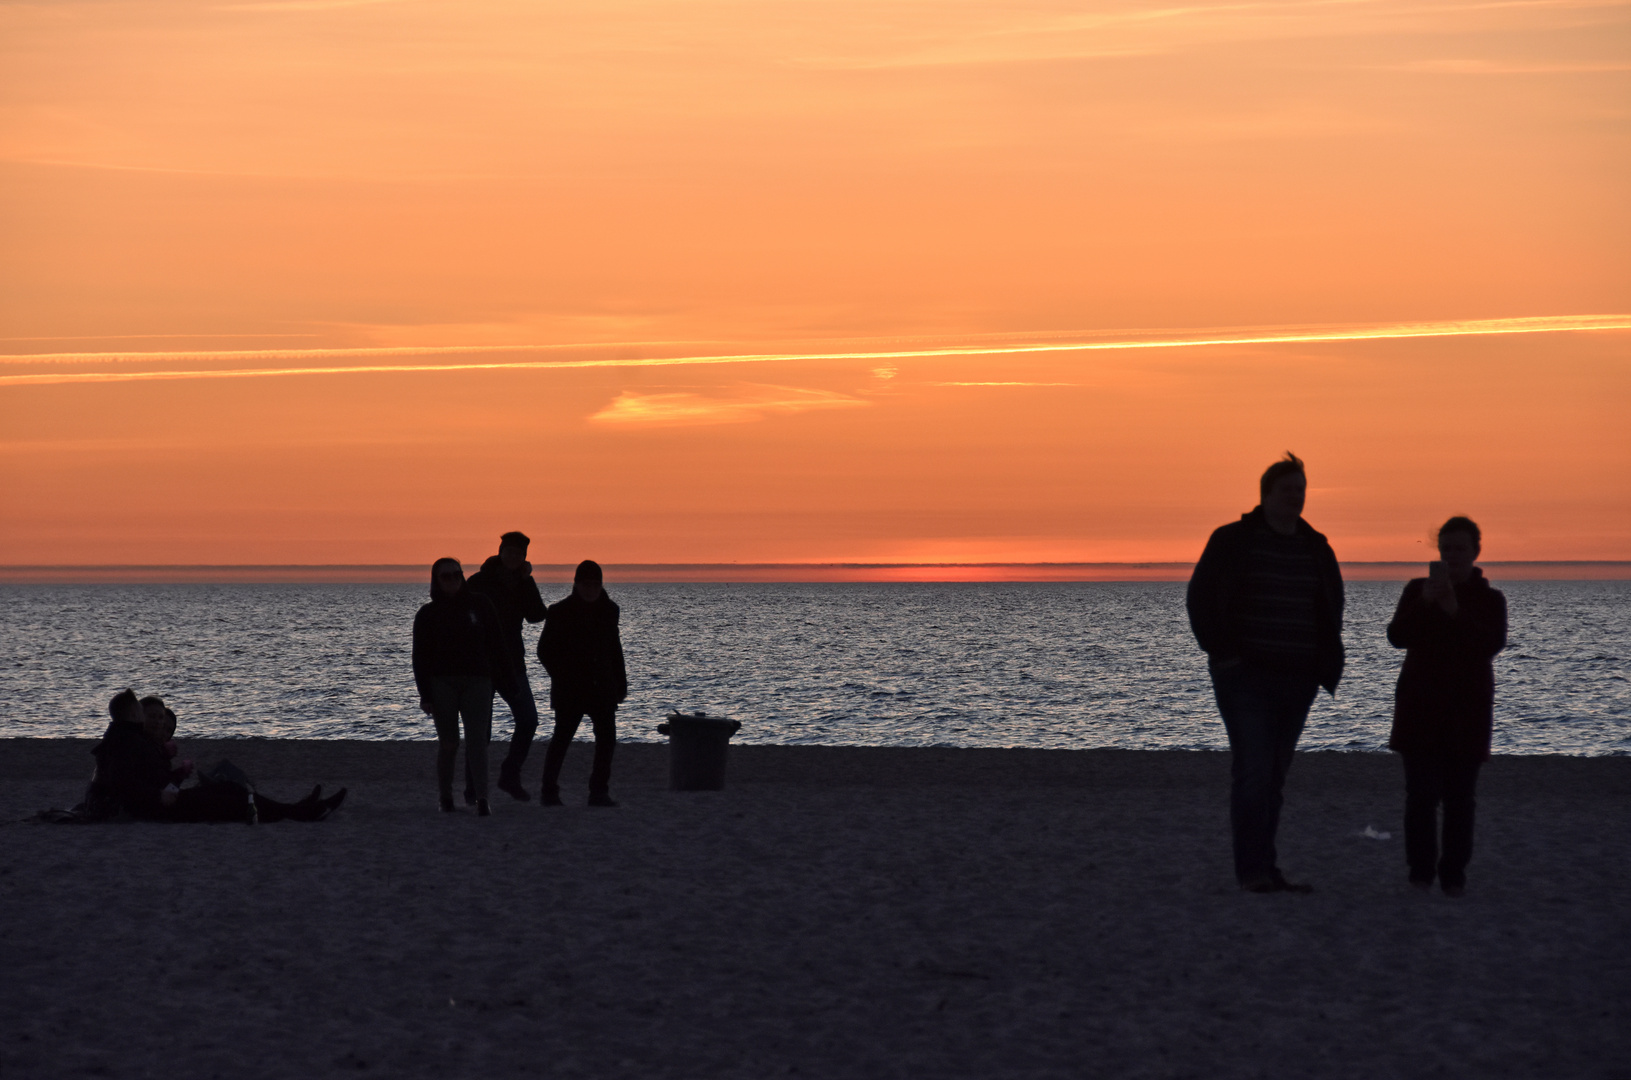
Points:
[(836, 912)]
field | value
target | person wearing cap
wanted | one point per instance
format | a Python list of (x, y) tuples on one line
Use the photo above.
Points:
[(581, 650), (506, 580)]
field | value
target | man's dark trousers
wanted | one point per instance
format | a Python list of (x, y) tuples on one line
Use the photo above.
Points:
[(1428, 780), (604, 720), (1263, 710), (525, 710)]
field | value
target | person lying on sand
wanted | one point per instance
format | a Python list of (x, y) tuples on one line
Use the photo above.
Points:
[(133, 776)]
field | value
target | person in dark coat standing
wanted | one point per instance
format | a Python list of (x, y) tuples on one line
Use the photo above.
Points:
[(458, 658), (506, 580), (581, 650), (1450, 624), (1265, 603)]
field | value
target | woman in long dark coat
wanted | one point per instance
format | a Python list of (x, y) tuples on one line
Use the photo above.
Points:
[(1451, 625), (459, 659)]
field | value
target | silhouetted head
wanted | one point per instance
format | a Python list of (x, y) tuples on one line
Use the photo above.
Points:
[(586, 581), (446, 578), (1459, 544), (1283, 490), (1290, 465), (124, 706), (512, 549), (153, 711)]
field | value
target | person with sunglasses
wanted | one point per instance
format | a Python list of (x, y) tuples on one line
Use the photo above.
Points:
[(459, 659)]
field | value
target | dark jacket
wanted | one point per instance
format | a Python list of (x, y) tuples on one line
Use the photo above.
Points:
[(515, 597), (132, 772), (1445, 700), (581, 650), (1215, 589), (459, 637)]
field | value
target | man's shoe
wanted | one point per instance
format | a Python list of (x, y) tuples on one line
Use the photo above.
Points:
[(1272, 883), (445, 801), (600, 798), (469, 796), (482, 809), (549, 796), (511, 786)]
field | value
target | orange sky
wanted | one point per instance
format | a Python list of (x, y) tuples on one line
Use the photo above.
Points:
[(304, 183)]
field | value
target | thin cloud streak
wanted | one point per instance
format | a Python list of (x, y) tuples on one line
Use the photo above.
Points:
[(687, 408), (1459, 328)]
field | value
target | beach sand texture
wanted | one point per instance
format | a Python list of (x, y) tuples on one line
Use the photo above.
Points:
[(837, 912)]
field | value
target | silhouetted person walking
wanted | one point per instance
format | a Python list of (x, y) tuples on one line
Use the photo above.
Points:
[(581, 650), (1265, 603), (458, 658), (1451, 624), (506, 580)]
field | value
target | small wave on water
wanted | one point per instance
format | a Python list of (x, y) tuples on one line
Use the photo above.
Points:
[(1055, 665)]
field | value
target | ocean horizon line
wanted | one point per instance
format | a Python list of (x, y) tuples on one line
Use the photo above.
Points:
[(757, 572)]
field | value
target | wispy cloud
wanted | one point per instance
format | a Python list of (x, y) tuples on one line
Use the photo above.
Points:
[(747, 403), (1006, 383), (1544, 324)]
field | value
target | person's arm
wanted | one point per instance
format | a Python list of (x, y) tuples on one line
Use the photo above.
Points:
[(498, 653), (1479, 627), (1204, 599), (551, 642), (421, 649), (532, 604), (620, 671), (1411, 620)]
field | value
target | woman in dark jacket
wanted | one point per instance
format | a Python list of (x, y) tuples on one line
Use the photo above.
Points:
[(1451, 625), (583, 653), (458, 659)]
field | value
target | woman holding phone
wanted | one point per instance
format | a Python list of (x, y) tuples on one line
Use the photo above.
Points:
[(1450, 624)]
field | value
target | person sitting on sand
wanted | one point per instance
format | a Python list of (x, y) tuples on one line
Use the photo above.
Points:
[(1450, 624), (133, 776), (157, 717), (581, 650), (458, 658)]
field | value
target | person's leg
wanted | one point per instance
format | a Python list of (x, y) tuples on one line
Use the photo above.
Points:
[(1423, 787), (600, 773), (1246, 719), (476, 706), (211, 802), (1291, 697), (566, 726), (444, 710), (525, 711), (1459, 786)]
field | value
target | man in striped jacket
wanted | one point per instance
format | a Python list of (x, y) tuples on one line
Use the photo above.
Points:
[(1265, 602)]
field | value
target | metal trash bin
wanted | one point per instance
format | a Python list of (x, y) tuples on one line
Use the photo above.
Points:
[(696, 750)]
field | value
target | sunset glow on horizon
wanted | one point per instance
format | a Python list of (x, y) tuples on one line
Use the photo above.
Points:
[(329, 281)]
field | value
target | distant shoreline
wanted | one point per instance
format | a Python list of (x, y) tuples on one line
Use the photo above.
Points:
[(762, 573)]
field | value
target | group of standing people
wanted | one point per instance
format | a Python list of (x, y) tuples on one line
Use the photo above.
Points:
[(467, 646), (1265, 603)]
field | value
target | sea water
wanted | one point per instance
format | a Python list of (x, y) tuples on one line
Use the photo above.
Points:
[(996, 665)]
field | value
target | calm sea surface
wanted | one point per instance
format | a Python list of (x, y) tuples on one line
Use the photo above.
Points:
[(1035, 665)]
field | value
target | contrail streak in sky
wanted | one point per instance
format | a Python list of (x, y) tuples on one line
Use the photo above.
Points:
[(1461, 328)]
